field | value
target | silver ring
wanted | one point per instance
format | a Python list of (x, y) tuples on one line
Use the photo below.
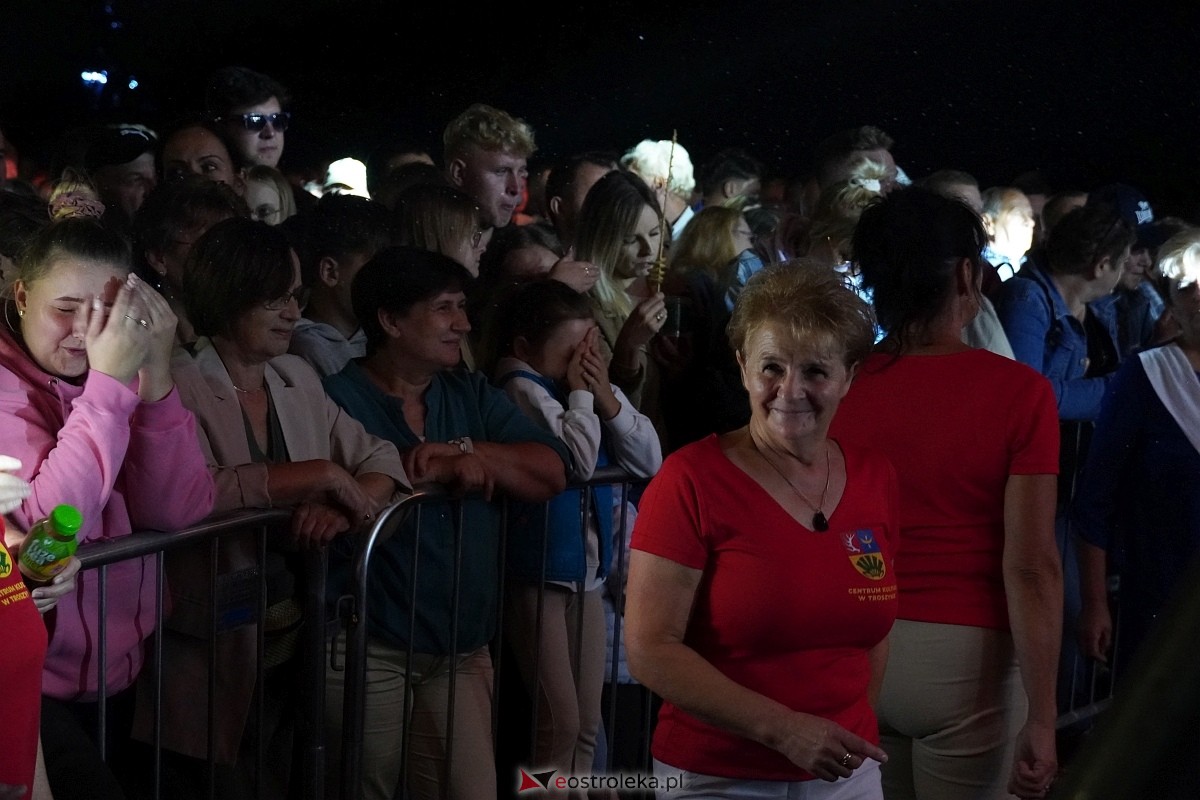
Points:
[(845, 762), (660, 316), (141, 322)]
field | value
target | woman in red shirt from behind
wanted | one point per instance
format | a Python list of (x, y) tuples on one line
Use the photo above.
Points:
[(967, 708)]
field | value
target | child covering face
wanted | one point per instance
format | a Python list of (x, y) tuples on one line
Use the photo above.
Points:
[(556, 371)]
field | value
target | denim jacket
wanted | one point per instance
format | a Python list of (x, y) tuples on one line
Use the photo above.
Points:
[(1046, 336)]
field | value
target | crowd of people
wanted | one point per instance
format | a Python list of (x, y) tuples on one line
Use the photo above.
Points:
[(913, 430)]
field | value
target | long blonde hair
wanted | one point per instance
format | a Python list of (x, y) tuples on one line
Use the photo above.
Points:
[(609, 215)]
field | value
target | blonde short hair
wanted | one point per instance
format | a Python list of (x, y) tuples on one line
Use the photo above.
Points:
[(812, 300), (488, 129), (650, 161)]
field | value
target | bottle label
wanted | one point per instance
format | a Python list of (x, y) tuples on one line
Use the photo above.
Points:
[(43, 556)]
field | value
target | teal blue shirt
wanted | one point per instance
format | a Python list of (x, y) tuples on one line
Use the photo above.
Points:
[(457, 403)]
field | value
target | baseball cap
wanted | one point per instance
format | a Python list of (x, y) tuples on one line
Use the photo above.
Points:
[(112, 145), (1134, 208)]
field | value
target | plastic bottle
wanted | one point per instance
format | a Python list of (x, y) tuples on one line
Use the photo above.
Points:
[(50, 543)]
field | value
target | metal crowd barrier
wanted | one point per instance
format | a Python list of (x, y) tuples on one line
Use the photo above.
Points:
[(352, 615), (1145, 745), (1085, 685), (313, 651), (261, 524)]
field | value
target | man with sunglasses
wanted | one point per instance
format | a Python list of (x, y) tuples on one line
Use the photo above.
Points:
[(249, 106)]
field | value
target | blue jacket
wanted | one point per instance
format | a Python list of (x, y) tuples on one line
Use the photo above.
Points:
[(564, 538), (1046, 336)]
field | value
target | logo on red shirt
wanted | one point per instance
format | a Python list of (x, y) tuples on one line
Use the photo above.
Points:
[(865, 554)]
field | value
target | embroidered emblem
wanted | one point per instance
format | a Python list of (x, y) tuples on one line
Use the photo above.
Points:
[(865, 554)]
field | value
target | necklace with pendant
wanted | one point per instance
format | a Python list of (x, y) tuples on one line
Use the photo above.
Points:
[(819, 522)]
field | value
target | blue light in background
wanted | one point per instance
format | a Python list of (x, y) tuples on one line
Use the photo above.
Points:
[(92, 77), (133, 83)]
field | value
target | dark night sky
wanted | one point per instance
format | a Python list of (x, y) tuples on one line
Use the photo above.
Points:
[(1085, 92)]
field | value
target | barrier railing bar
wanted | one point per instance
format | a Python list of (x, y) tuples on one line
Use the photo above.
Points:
[(260, 672), (214, 552), (144, 543), (102, 654), (312, 726), (459, 521), (160, 574), (535, 696)]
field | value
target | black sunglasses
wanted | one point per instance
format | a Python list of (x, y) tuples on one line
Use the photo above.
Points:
[(256, 122)]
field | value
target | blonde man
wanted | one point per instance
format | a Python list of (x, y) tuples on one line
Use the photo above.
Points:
[(486, 151)]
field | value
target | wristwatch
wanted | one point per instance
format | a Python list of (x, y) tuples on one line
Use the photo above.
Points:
[(465, 445)]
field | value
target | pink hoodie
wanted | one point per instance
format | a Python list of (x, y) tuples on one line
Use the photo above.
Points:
[(125, 465)]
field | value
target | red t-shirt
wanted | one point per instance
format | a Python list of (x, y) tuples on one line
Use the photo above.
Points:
[(24, 650), (782, 610), (955, 427)]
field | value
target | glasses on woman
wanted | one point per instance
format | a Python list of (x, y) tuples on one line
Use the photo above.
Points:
[(477, 237), (256, 122), (264, 213), (300, 294)]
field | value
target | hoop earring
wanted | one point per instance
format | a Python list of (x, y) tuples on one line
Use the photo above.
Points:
[(8, 318)]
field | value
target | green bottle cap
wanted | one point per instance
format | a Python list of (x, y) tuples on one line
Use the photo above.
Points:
[(66, 519)]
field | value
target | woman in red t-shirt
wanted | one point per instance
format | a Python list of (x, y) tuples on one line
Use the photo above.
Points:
[(761, 589), (22, 773), (967, 708)]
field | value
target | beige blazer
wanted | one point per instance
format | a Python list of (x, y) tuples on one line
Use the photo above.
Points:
[(314, 427)]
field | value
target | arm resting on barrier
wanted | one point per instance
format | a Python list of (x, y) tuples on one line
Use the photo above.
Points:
[(526, 470)]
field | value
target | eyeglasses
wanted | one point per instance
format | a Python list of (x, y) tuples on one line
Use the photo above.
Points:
[(263, 213), (300, 294), (256, 122), (477, 237)]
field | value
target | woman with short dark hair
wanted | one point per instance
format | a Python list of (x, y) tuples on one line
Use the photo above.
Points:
[(271, 438), (456, 430)]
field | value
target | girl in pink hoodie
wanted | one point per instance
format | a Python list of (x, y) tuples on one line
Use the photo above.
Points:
[(88, 406)]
